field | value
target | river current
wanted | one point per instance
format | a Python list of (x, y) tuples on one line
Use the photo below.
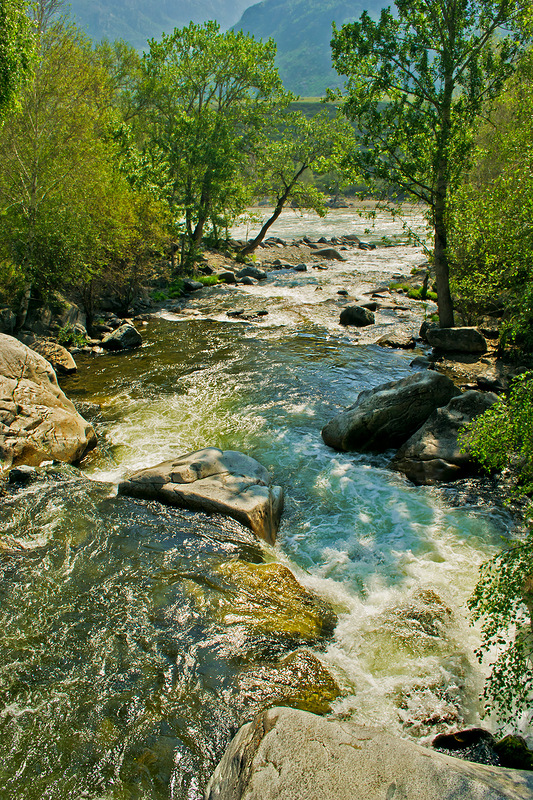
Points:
[(123, 651)]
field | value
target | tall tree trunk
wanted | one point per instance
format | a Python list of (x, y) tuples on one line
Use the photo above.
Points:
[(442, 272), (440, 253)]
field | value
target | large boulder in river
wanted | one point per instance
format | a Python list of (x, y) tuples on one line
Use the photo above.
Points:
[(388, 415), (37, 421), (216, 482), (459, 340), (125, 337), (433, 453), (357, 315), (286, 754)]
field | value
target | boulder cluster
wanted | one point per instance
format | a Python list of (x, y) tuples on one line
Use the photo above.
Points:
[(422, 415)]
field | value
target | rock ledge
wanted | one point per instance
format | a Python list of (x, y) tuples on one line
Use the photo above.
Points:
[(285, 754), (217, 482)]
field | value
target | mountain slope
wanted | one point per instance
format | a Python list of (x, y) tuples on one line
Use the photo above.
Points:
[(302, 32), (136, 21)]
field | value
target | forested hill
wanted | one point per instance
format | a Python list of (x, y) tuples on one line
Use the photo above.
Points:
[(302, 32), (136, 21)]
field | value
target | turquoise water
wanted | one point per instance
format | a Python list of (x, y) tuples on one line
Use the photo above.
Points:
[(120, 677)]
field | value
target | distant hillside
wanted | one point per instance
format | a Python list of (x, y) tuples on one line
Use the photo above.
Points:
[(302, 32), (136, 21)]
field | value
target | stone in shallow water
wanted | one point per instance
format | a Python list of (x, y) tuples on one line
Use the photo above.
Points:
[(357, 315), (216, 482), (267, 599), (126, 337)]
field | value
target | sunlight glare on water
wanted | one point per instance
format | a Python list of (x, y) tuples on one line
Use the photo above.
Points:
[(121, 676)]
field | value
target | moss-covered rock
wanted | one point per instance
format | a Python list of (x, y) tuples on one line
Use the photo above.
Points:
[(300, 681)]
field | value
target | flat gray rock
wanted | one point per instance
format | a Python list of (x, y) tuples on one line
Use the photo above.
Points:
[(285, 754), (388, 415), (433, 453), (217, 482)]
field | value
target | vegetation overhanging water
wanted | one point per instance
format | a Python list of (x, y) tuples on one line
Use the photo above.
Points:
[(123, 673)]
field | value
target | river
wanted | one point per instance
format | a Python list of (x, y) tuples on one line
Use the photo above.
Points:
[(122, 669)]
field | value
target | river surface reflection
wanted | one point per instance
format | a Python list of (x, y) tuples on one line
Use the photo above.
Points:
[(122, 673)]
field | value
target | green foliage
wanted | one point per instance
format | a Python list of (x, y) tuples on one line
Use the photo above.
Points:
[(172, 292), (418, 80), (207, 280), (502, 436), (68, 336), (291, 151), (16, 48), (502, 600), (202, 100), (68, 215), (503, 597), (492, 236)]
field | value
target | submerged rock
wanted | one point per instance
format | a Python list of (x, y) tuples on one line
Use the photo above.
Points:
[(216, 482), (388, 415), (300, 681), (37, 421), (268, 600), (433, 453), (285, 754)]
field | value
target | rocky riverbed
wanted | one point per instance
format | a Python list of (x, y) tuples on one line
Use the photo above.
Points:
[(161, 629)]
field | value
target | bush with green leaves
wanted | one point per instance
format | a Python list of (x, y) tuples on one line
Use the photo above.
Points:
[(500, 438), (491, 236), (503, 435)]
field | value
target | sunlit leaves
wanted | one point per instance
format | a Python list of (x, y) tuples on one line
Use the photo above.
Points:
[(16, 47)]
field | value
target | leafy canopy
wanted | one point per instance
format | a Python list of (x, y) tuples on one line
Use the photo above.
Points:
[(16, 47), (203, 99), (418, 79), (491, 212)]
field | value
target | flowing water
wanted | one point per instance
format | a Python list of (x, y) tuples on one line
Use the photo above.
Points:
[(128, 647)]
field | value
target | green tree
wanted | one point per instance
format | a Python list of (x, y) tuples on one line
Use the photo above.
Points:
[(203, 99), (16, 46), (503, 598), (292, 148), (66, 212), (418, 80), (491, 242)]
